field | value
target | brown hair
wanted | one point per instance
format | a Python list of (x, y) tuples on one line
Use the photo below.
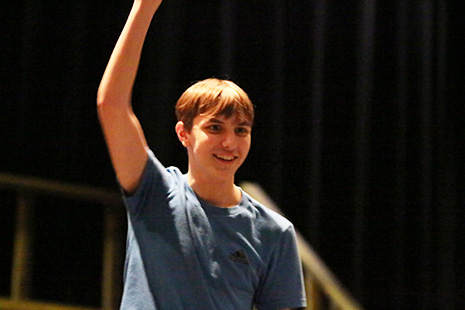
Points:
[(213, 97)]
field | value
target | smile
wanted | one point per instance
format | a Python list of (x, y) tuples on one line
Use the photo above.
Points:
[(225, 157)]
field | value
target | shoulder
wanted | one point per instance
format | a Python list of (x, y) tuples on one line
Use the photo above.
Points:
[(156, 181), (155, 171), (267, 218)]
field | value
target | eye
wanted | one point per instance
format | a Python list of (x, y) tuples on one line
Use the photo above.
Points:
[(242, 131), (214, 128)]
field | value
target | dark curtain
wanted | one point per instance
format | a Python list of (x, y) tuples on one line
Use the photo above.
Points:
[(359, 134)]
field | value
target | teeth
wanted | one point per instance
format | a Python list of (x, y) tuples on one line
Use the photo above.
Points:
[(225, 157)]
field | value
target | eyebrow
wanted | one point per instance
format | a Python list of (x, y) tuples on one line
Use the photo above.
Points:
[(218, 121), (215, 120)]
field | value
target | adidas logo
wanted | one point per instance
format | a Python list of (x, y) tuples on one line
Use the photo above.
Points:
[(239, 257)]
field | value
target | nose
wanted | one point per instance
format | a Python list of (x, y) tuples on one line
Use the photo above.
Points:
[(229, 141)]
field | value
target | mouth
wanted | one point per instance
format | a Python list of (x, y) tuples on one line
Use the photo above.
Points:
[(225, 158)]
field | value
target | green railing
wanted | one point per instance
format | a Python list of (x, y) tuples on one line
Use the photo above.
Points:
[(323, 289), (27, 190)]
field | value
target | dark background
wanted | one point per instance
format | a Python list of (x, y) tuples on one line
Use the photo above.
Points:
[(359, 133)]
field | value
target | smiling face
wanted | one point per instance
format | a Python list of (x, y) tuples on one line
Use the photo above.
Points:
[(217, 146), (215, 120)]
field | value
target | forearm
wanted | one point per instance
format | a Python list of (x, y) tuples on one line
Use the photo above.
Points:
[(118, 79)]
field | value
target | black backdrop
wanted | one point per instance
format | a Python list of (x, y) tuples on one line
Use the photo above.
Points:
[(359, 119)]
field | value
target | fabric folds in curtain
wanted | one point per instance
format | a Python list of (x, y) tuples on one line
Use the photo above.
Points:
[(359, 119)]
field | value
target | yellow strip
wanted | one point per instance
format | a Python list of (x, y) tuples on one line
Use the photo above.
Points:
[(8, 304)]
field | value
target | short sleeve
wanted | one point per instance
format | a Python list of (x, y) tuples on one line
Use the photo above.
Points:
[(282, 284), (154, 174)]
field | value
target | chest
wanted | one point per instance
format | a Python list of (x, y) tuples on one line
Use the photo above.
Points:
[(231, 254)]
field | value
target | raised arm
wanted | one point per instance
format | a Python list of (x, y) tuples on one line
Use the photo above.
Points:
[(123, 134)]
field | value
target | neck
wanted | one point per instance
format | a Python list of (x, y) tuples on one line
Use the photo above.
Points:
[(219, 193)]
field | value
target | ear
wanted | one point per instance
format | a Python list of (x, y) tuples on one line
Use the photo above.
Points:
[(182, 133)]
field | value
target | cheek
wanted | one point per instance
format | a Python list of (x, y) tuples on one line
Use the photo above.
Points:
[(203, 143), (246, 146)]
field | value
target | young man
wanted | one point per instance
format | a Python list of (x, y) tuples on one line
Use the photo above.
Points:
[(195, 241)]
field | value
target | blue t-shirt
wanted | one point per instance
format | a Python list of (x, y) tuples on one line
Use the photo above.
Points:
[(184, 254)]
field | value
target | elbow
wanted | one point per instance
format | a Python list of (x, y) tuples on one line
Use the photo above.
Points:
[(105, 107), (102, 105), (112, 97), (111, 104), (110, 109), (102, 99)]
